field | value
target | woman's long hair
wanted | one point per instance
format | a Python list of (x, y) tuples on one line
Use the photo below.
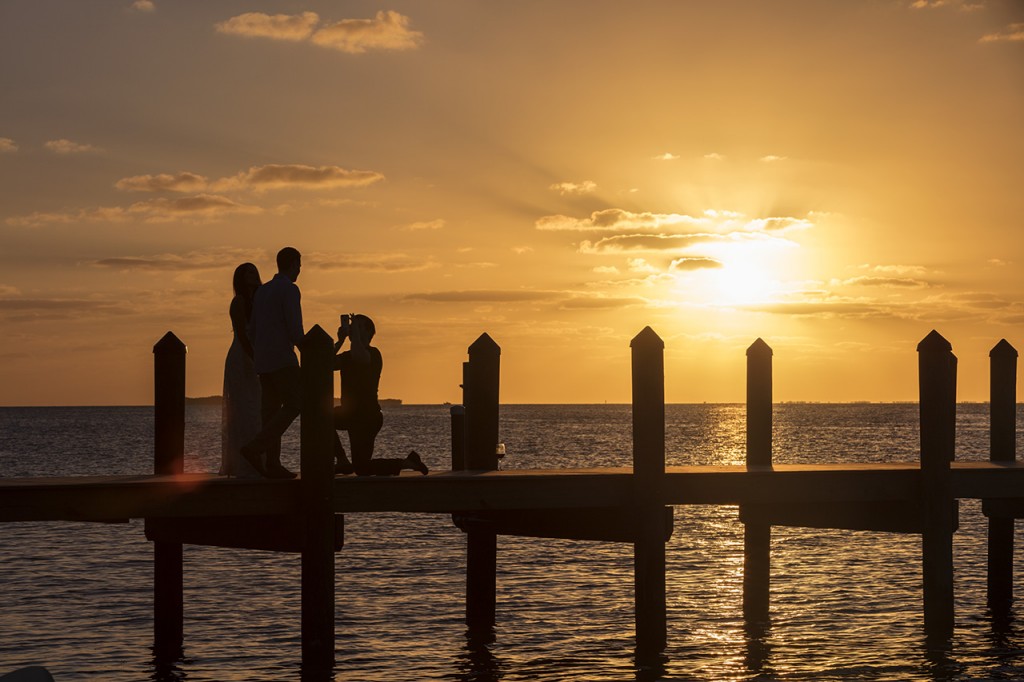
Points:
[(241, 290)]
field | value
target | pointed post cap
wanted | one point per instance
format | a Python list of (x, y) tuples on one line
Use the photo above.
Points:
[(759, 348), (484, 345), (316, 336), (170, 343), (934, 343), (1003, 349), (647, 339)]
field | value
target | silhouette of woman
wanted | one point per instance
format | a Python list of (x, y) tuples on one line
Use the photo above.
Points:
[(240, 407)]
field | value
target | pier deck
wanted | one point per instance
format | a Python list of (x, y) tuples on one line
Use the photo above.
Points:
[(99, 498)]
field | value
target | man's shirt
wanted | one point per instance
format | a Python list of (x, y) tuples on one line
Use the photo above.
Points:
[(276, 324)]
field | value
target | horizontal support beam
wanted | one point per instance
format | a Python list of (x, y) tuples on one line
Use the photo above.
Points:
[(285, 533), (113, 498), (109, 498), (885, 516), (1003, 508), (614, 524)]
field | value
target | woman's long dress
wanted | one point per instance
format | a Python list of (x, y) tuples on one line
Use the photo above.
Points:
[(240, 411)]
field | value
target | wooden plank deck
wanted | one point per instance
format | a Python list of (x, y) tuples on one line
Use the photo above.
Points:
[(108, 498)]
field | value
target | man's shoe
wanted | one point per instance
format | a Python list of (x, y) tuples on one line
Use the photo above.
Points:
[(416, 464), (343, 466), (255, 460), (275, 470)]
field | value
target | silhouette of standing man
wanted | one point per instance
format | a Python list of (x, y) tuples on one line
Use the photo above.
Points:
[(275, 329)]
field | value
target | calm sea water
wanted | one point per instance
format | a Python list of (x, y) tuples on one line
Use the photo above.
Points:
[(845, 605)]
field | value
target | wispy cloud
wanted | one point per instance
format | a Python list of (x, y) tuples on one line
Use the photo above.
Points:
[(619, 220), (696, 263), (368, 262), (255, 179), (715, 156), (65, 146), (7, 145), (574, 188), (425, 225), (387, 30), (281, 176), (484, 296), (886, 282), (667, 156), (208, 259), (772, 158), (164, 182), (144, 6), (1013, 33), (196, 208)]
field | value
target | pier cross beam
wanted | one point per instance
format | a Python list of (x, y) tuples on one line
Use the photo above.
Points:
[(648, 398), (757, 533), (937, 378), (481, 397), (316, 442), (1003, 448), (169, 459)]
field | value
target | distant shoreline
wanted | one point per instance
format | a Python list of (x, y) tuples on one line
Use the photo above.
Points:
[(216, 400)]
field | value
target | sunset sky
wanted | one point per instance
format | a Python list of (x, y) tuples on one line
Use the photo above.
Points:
[(836, 177)]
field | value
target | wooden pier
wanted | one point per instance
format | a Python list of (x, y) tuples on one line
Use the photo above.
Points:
[(630, 505)]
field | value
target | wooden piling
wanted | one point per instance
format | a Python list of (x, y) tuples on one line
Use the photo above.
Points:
[(648, 384), (169, 459), (317, 466), (458, 415), (937, 370), (1003, 448), (480, 397), (757, 533)]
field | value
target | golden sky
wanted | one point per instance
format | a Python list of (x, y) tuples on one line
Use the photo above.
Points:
[(836, 177)]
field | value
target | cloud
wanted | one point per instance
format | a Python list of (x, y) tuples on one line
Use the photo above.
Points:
[(144, 6), (484, 296), (163, 182), (282, 176), (715, 156), (645, 242), (208, 259), (368, 262), (606, 270), (574, 188), (887, 282), (388, 30), (256, 179), (65, 146), (772, 158), (898, 270), (35, 309), (7, 145), (426, 225), (199, 206), (695, 263), (292, 27), (614, 220), (601, 302), (667, 156), (1011, 34)]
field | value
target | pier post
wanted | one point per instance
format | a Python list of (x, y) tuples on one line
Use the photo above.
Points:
[(648, 388), (1003, 448), (169, 459), (757, 535), (480, 397), (458, 414), (937, 370), (316, 439)]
